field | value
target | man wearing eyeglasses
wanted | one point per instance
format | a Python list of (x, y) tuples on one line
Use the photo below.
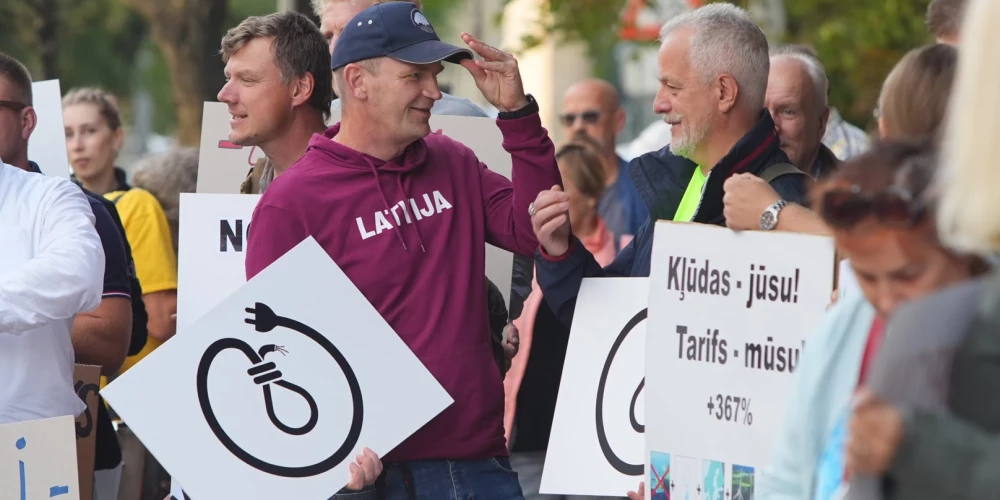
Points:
[(593, 107)]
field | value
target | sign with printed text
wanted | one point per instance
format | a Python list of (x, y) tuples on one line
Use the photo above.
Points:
[(211, 253), (222, 165), (38, 460), (276, 388), (733, 312), (598, 442), (47, 145)]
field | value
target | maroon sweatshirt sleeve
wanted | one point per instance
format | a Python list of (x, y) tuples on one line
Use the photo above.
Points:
[(534, 169), (273, 232)]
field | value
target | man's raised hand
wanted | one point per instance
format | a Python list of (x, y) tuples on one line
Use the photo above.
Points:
[(496, 75)]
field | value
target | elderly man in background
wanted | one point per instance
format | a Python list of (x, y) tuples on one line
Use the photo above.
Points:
[(797, 98)]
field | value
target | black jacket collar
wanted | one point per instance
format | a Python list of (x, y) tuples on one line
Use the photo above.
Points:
[(661, 177)]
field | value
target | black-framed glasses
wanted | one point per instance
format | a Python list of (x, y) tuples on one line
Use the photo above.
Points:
[(589, 117), (894, 206), (13, 105)]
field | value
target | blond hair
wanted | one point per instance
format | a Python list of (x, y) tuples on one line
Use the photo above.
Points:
[(968, 176), (104, 101), (319, 5), (915, 95)]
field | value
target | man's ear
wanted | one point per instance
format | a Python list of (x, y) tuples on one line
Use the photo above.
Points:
[(355, 82), (823, 119), (726, 92), (303, 89), (29, 123)]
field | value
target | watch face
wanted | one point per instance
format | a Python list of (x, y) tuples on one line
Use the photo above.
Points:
[(768, 220)]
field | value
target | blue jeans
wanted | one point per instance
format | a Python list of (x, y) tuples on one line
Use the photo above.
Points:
[(491, 479)]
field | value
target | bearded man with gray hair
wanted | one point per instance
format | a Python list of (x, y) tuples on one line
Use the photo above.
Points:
[(713, 67)]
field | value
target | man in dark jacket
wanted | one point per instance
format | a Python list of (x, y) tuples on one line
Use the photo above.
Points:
[(713, 69)]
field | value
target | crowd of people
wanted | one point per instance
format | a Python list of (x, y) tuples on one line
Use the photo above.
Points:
[(89, 267)]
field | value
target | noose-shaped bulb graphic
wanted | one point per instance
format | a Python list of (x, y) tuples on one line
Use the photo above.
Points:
[(265, 374)]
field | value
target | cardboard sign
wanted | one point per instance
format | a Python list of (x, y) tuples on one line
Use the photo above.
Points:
[(37, 460), (211, 254), (732, 312), (278, 387), (222, 165), (86, 383), (597, 442), (47, 146)]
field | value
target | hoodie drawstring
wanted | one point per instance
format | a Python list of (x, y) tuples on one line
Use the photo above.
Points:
[(385, 202), (399, 183)]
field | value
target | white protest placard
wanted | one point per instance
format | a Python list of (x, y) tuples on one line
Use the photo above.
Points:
[(222, 167), (732, 312), (212, 239), (275, 391), (38, 460), (47, 145), (597, 442)]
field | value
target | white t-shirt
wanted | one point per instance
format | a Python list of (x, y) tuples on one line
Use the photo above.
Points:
[(51, 268)]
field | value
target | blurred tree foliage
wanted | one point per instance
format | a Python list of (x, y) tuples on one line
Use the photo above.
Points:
[(858, 40)]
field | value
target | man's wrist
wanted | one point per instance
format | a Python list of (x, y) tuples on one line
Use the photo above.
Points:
[(526, 108)]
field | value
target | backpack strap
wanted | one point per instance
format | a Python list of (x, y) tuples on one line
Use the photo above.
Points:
[(781, 169), (118, 198)]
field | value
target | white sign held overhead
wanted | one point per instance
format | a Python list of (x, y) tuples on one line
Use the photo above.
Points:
[(732, 312), (38, 460), (278, 387), (597, 442), (47, 145)]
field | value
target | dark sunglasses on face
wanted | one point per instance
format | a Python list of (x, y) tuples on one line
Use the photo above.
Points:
[(589, 117), (895, 207), (13, 105)]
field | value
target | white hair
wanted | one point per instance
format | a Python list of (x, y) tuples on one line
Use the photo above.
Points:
[(815, 70), (968, 175), (727, 41)]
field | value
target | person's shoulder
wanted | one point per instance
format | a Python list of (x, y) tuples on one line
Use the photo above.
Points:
[(457, 106)]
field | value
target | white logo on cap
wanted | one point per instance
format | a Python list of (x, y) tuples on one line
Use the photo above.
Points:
[(420, 21)]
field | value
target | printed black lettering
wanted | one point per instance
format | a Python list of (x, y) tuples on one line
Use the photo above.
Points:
[(725, 283), (229, 236), (673, 276)]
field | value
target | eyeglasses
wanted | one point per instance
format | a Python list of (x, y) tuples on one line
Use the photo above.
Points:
[(589, 117), (895, 207)]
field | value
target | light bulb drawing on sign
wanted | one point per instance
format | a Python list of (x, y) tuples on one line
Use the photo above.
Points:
[(266, 373), (602, 434), (54, 491)]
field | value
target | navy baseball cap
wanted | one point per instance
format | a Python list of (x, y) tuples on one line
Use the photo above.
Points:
[(397, 30)]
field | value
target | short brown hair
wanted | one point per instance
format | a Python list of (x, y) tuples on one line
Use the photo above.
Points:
[(298, 48), (944, 17), (17, 74), (105, 103), (915, 95), (319, 5), (585, 160)]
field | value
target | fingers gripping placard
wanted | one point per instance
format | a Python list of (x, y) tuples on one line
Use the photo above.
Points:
[(277, 386)]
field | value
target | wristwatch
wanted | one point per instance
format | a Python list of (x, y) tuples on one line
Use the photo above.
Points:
[(769, 219)]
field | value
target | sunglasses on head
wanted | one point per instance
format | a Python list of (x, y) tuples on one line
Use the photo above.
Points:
[(895, 207), (588, 117)]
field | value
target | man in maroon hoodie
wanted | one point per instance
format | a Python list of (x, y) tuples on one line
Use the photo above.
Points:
[(406, 215)]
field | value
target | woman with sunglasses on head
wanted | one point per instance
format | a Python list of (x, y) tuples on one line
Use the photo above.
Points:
[(880, 215)]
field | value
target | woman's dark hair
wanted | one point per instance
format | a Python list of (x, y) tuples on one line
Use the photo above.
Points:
[(585, 159), (908, 164)]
